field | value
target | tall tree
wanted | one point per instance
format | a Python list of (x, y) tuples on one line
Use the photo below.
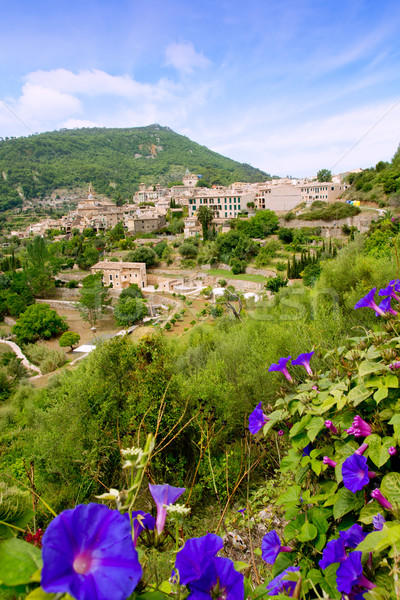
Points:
[(93, 298), (324, 175), (205, 215)]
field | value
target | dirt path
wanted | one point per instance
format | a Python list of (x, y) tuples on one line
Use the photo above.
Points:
[(20, 354)]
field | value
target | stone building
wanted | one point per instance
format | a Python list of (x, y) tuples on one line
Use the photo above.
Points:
[(121, 274)]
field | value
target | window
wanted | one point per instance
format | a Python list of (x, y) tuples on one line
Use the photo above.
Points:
[(116, 275), (110, 277)]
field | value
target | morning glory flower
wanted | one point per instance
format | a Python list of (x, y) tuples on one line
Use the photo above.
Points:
[(281, 366), (353, 536), (141, 521), (329, 425), (333, 552), (88, 553), (359, 427), (271, 547), (219, 579), (257, 419), (369, 302), (379, 497), (195, 555), (355, 473), (163, 495), (390, 291), (307, 450), (394, 366), (386, 306), (304, 361), (378, 522), (281, 586), (328, 461), (361, 449), (281, 432), (349, 574), (392, 451)]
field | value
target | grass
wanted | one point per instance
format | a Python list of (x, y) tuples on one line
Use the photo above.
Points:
[(242, 276)]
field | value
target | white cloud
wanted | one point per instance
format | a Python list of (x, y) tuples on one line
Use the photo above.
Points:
[(184, 58)]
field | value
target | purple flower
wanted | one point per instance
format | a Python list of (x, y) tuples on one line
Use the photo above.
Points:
[(353, 536), (379, 497), (280, 586), (369, 302), (307, 450), (349, 574), (386, 306), (315, 388), (164, 495), (242, 510), (378, 522), (395, 365), (390, 291), (219, 579), (304, 361), (392, 451), (333, 552), (271, 547), (361, 449), (355, 473), (257, 419), (359, 427), (195, 555), (88, 553), (281, 432), (328, 461), (329, 425), (281, 366), (141, 521)]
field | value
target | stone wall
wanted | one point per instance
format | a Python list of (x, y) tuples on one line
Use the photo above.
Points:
[(334, 228)]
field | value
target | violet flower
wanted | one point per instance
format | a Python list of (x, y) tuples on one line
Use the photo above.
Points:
[(378, 522), (304, 361), (361, 449), (353, 536), (359, 427), (281, 366), (271, 547), (329, 425), (307, 449), (281, 586), (379, 497), (219, 579), (281, 432), (349, 574), (328, 461), (141, 521), (355, 473), (88, 553), (195, 555), (369, 302), (390, 291), (392, 451), (164, 495), (333, 552), (386, 306), (394, 366), (257, 419)]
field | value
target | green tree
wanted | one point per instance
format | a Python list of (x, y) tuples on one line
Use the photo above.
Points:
[(324, 175), (205, 215), (117, 232), (37, 267), (93, 298), (188, 250), (69, 338), (143, 254), (38, 321), (129, 310)]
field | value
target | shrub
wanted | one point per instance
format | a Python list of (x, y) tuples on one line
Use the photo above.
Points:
[(72, 284), (38, 321), (69, 338), (47, 359)]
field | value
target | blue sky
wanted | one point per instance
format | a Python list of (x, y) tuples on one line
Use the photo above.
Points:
[(290, 87)]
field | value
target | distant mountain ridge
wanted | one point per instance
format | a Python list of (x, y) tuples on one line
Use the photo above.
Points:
[(114, 160)]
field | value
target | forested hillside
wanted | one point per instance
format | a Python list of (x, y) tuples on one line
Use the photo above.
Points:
[(114, 160)]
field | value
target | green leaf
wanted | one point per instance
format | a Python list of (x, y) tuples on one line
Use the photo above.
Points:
[(359, 393), (369, 511), (291, 495), (314, 427), (390, 488), (18, 561), (274, 418), (381, 394), (239, 565), (290, 462), (346, 501), (300, 425), (395, 421), (316, 466), (379, 540), (283, 561), (391, 381), (327, 489), (293, 528), (378, 448), (320, 542), (39, 594), (307, 533), (368, 366), (320, 521)]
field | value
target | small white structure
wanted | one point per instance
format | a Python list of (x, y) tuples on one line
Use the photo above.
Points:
[(218, 292), (85, 348), (251, 296)]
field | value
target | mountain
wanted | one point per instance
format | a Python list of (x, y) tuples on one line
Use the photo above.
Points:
[(114, 160)]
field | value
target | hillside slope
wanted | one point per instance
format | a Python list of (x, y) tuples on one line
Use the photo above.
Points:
[(114, 160)]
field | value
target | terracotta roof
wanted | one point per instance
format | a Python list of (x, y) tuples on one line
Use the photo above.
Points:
[(108, 264)]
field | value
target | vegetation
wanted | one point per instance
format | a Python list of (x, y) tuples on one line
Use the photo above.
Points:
[(69, 338), (114, 160), (329, 211), (93, 298), (39, 321), (324, 175)]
